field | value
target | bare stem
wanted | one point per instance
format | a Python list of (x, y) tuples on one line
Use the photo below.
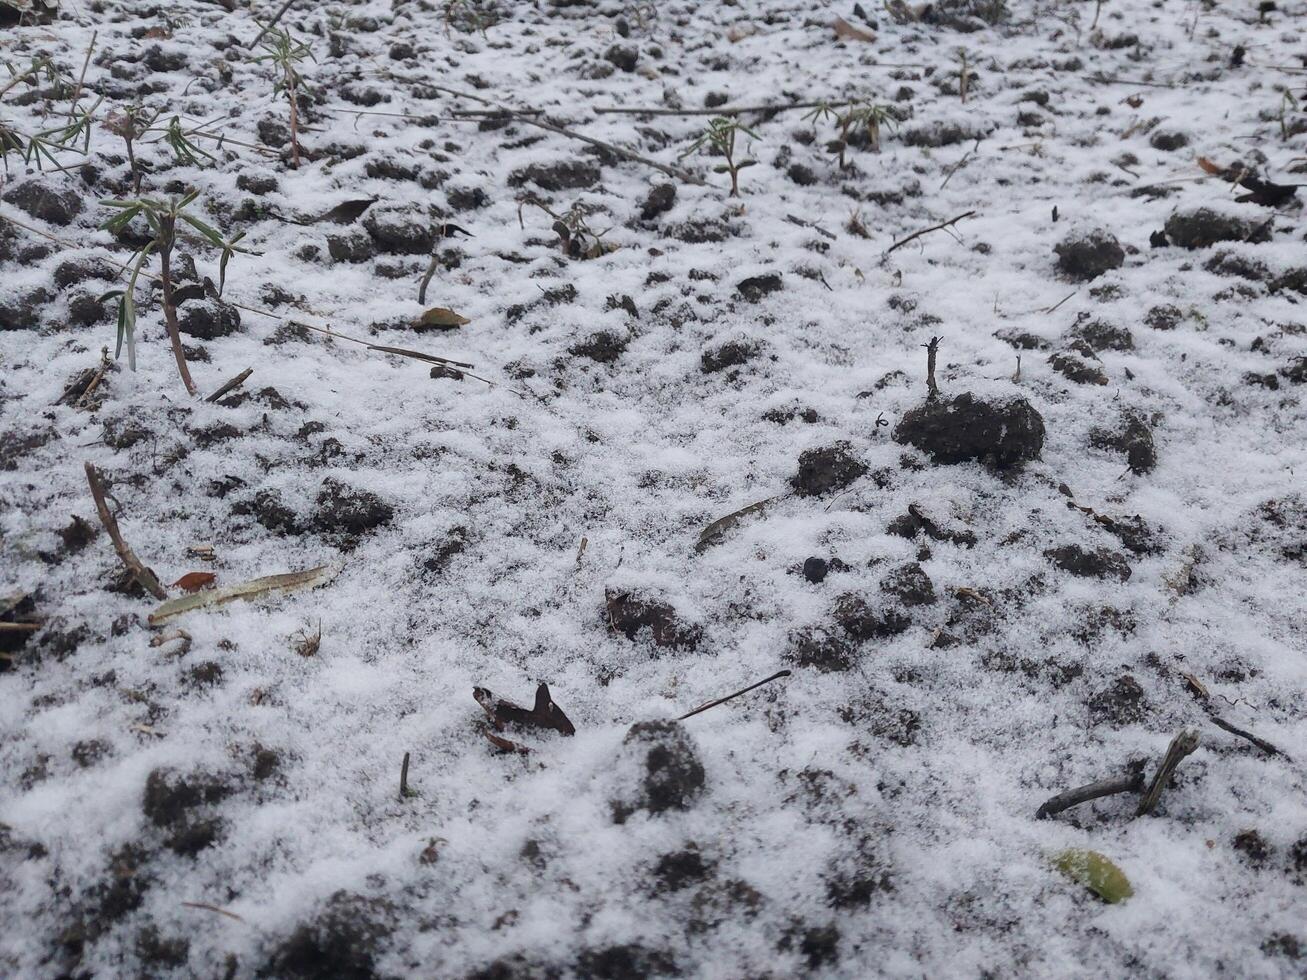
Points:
[(926, 231), (294, 128), (170, 311), (131, 161)]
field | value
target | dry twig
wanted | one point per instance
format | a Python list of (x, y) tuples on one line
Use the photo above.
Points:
[(926, 231), (147, 579), (234, 383)]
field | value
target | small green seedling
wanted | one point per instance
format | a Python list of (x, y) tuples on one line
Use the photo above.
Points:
[(162, 217), (38, 68), (285, 53), (719, 137), (861, 114), (40, 148), (183, 149)]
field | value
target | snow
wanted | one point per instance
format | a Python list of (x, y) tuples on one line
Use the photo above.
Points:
[(876, 821)]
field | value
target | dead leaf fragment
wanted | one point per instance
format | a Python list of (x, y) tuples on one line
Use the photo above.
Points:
[(504, 744), (844, 31), (194, 581), (441, 318)]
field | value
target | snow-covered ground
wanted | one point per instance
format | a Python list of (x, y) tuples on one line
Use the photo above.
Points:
[(229, 806)]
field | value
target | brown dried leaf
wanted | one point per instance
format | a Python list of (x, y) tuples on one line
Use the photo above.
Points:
[(194, 581), (504, 744), (441, 318), (545, 714), (844, 31)]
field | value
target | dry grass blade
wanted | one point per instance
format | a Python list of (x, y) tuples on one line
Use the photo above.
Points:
[(267, 585), (712, 534), (205, 906)]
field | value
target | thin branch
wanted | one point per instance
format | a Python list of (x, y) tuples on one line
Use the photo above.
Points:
[(957, 166), (1199, 691), (713, 704), (272, 23), (1109, 79), (1261, 743), (926, 231), (128, 557), (95, 381)]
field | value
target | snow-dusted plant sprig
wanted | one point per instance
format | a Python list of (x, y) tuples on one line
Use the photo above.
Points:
[(861, 114), (285, 53), (719, 137), (162, 217)]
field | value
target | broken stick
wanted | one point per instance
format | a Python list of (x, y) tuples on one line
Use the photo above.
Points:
[(1131, 783), (235, 382), (1182, 745), (147, 579), (404, 791), (932, 351)]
